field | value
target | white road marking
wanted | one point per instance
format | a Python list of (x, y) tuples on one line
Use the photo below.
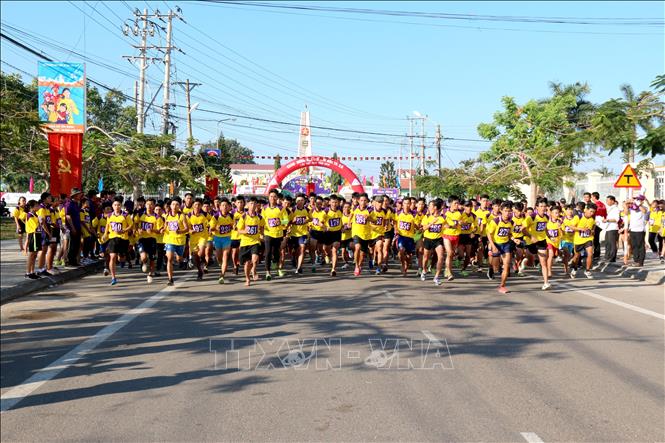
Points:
[(613, 301), (10, 398), (531, 437)]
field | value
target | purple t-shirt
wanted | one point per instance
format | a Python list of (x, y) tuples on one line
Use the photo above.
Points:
[(74, 211)]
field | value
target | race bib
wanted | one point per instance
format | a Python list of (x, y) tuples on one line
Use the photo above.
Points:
[(568, 230), (435, 228), (361, 219), (146, 226), (224, 229), (300, 220), (116, 226), (552, 233), (197, 228), (172, 225), (405, 226), (334, 222), (274, 222), (585, 234), (466, 226), (541, 226), (316, 222), (379, 221), (503, 232), (517, 229), (252, 230)]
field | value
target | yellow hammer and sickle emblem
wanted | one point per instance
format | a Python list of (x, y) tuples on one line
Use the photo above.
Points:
[(64, 167)]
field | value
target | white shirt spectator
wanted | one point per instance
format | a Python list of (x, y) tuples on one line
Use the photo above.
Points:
[(638, 221), (613, 213)]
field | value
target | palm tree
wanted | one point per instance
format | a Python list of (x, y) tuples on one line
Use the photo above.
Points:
[(387, 175)]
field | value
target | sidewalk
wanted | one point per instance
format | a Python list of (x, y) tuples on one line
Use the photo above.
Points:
[(652, 271), (12, 270)]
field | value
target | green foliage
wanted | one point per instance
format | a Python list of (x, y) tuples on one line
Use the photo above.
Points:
[(335, 178), (387, 175), (659, 84), (278, 162)]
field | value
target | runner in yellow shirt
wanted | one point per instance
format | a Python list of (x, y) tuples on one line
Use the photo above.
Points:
[(347, 239), (198, 235), (451, 233), (554, 235), (333, 233), (298, 227), (433, 226), (250, 228), (499, 231), (175, 237), (361, 230), (406, 224), (146, 228), (221, 226), (118, 225), (273, 234), (467, 237), (19, 219), (583, 240)]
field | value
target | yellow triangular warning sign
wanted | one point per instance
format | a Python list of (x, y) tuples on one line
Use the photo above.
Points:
[(628, 179)]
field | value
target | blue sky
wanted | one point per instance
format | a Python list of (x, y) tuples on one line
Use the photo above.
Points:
[(354, 71)]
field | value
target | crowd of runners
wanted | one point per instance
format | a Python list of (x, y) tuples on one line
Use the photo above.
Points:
[(439, 239)]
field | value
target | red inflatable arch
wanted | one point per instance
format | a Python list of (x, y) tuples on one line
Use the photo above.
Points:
[(324, 162)]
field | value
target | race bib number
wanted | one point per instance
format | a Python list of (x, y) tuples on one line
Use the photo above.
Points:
[(172, 225), (541, 226), (224, 229), (197, 228), (405, 226), (300, 220), (435, 228), (466, 226), (585, 234), (274, 222), (568, 230), (503, 232), (146, 226), (316, 222), (517, 229), (552, 233), (334, 222), (252, 230), (116, 226), (379, 221), (361, 219)]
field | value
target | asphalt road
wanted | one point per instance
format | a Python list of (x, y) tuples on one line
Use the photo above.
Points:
[(353, 359)]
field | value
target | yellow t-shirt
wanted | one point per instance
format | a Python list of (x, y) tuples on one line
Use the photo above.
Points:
[(518, 228), (536, 226), (99, 225), (655, 220), (159, 226), (360, 223), (117, 223), (333, 220), (147, 222), (482, 216), (236, 216), (221, 225), (467, 223), (588, 225), (19, 214), (435, 230), (391, 218), (198, 227), (554, 233), (32, 223), (569, 234), (253, 234), (346, 232), (406, 224), (44, 214), (173, 224), (453, 221), (85, 223), (499, 230), (299, 220), (318, 220), (378, 223), (272, 218)]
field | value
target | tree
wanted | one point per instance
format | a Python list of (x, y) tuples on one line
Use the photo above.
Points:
[(618, 122), (536, 144), (232, 152), (335, 178), (23, 147), (659, 84), (387, 175), (278, 162)]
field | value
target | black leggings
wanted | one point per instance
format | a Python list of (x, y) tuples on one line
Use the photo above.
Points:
[(272, 247), (656, 242)]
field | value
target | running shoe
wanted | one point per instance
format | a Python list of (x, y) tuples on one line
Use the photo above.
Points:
[(205, 269), (32, 276), (170, 282), (221, 280), (521, 274), (190, 264), (450, 277), (327, 260), (114, 281), (280, 273), (199, 275), (149, 279), (235, 270), (490, 274), (106, 272), (333, 273), (356, 272), (437, 281), (503, 290), (423, 276), (144, 268), (465, 273), (299, 271), (268, 277), (345, 266), (45, 274), (546, 286), (588, 274), (573, 274), (378, 271)]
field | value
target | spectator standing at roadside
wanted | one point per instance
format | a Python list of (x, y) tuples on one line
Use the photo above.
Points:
[(601, 213), (73, 218), (611, 222), (637, 226)]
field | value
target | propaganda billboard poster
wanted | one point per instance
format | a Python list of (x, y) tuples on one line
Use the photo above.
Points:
[(61, 97)]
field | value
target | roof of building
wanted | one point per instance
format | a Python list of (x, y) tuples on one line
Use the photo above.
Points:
[(252, 167)]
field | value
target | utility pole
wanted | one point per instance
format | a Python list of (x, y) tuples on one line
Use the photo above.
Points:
[(188, 89), (410, 156), (438, 147), (167, 76)]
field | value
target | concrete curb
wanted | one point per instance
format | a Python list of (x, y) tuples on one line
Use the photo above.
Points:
[(30, 286), (649, 275)]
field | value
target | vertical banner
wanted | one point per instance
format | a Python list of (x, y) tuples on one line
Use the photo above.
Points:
[(61, 97), (61, 101), (66, 162), (305, 143), (212, 187)]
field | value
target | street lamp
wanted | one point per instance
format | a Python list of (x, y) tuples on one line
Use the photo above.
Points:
[(218, 130)]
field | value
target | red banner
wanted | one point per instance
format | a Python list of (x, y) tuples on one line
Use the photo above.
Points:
[(212, 187), (66, 152)]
